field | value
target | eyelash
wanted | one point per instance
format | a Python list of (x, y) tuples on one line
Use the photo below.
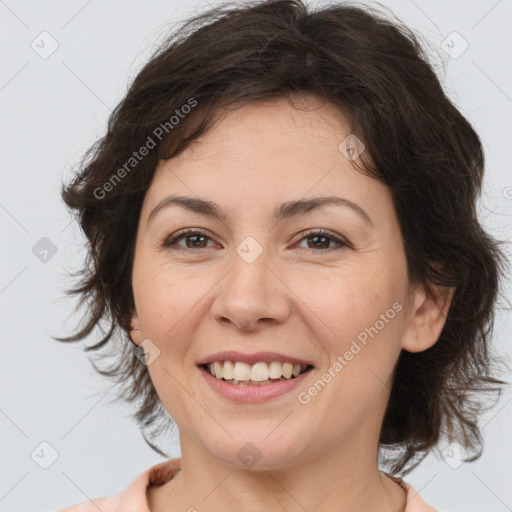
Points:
[(170, 243)]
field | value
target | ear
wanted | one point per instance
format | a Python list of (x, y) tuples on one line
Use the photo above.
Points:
[(135, 333), (427, 317)]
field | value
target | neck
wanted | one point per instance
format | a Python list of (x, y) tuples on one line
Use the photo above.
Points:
[(344, 480)]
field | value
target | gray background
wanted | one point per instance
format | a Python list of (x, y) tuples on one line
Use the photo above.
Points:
[(52, 108)]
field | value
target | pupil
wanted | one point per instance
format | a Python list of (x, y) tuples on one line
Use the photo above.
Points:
[(316, 238), (194, 243)]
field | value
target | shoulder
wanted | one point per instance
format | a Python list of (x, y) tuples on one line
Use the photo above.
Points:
[(414, 501), (134, 497), (105, 504), (112, 503)]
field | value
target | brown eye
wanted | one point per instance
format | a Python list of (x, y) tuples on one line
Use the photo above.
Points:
[(318, 241), (322, 239), (193, 240)]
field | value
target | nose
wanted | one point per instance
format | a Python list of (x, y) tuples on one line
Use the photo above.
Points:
[(251, 295)]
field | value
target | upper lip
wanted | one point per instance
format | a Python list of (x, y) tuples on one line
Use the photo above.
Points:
[(256, 357)]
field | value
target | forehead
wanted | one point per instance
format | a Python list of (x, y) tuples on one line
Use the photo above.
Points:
[(276, 123), (266, 152)]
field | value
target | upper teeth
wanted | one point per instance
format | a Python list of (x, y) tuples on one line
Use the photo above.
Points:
[(256, 372)]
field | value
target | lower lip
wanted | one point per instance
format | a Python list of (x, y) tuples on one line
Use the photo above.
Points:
[(251, 394)]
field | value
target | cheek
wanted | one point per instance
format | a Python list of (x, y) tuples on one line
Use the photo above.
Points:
[(155, 299), (171, 304), (160, 290), (363, 310)]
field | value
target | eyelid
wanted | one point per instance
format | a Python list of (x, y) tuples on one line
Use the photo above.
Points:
[(322, 232), (341, 241), (169, 241)]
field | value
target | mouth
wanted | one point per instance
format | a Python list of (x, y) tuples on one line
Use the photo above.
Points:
[(261, 373)]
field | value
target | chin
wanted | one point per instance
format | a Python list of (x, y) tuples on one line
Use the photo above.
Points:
[(259, 451)]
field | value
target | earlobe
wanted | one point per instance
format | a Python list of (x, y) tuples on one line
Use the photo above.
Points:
[(428, 317)]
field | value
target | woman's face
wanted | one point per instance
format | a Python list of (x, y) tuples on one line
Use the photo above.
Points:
[(250, 282)]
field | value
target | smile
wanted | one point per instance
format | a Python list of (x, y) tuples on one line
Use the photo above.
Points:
[(259, 374)]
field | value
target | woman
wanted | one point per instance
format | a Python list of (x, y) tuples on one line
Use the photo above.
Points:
[(283, 237)]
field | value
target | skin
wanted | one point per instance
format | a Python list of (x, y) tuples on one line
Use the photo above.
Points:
[(297, 298)]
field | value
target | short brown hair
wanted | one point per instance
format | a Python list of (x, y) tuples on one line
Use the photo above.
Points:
[(417, 142)]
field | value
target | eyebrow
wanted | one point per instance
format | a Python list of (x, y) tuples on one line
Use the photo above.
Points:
[(285, 210)]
